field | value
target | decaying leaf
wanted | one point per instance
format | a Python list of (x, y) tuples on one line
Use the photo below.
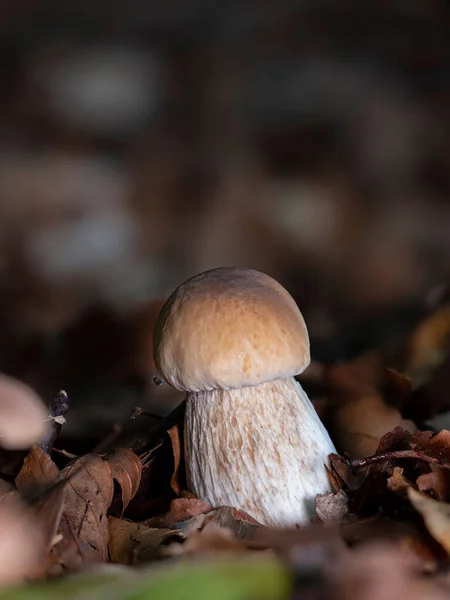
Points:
[(436, 516), (126, 469)]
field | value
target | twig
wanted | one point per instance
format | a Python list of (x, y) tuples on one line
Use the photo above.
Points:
[(58, 409), (360, 463), (65, 453), (140, 412)]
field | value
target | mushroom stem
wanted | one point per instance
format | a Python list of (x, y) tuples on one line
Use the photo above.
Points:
[(260, 448)]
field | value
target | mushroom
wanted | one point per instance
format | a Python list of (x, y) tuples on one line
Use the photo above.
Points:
[(23, 415), (233, 339)]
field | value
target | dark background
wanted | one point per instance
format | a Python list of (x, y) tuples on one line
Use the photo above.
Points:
[(142, 142)]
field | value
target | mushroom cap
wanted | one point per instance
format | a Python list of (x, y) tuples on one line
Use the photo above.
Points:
[(23, 415), (229, 328)]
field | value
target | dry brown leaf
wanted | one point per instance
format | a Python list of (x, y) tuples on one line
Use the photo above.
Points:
[(437, 446), (180, 510), (175, 438), (121, 543), (342, 470), (151, 543), (84, 525), (126, 469), (332, 508), (48, 510), (38, 470), (436, 516)]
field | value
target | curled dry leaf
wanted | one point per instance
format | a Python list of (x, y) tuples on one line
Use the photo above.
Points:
[(38, 470), (360, 416), (23, 415), (126, 469), (436, 516)]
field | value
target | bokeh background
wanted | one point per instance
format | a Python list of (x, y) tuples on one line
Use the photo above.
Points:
[(142, 142)]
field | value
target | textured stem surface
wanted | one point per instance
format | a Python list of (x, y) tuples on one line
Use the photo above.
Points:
[(261, 449)]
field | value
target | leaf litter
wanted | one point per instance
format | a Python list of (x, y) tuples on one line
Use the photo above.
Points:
[(384, 529)]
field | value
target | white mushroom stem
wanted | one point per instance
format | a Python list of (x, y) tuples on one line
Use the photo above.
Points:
[(261, 449)]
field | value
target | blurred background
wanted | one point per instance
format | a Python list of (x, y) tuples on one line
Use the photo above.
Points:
[(142, 142)]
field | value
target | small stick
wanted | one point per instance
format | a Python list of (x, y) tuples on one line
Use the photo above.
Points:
[(360, 463), (58, 409)]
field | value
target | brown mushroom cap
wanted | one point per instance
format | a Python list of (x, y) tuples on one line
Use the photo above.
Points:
[(229, 328)]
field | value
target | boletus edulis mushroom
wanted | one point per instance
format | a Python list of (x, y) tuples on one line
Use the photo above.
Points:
[(233, 339)]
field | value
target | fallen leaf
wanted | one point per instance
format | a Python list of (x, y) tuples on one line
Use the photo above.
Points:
[(437, 446), (175, 438), (126, 469), (332, 508), (121, 543), (150, 542), (340, 467), (180, 510), (38, 471), (84, 525), (436, 516)]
